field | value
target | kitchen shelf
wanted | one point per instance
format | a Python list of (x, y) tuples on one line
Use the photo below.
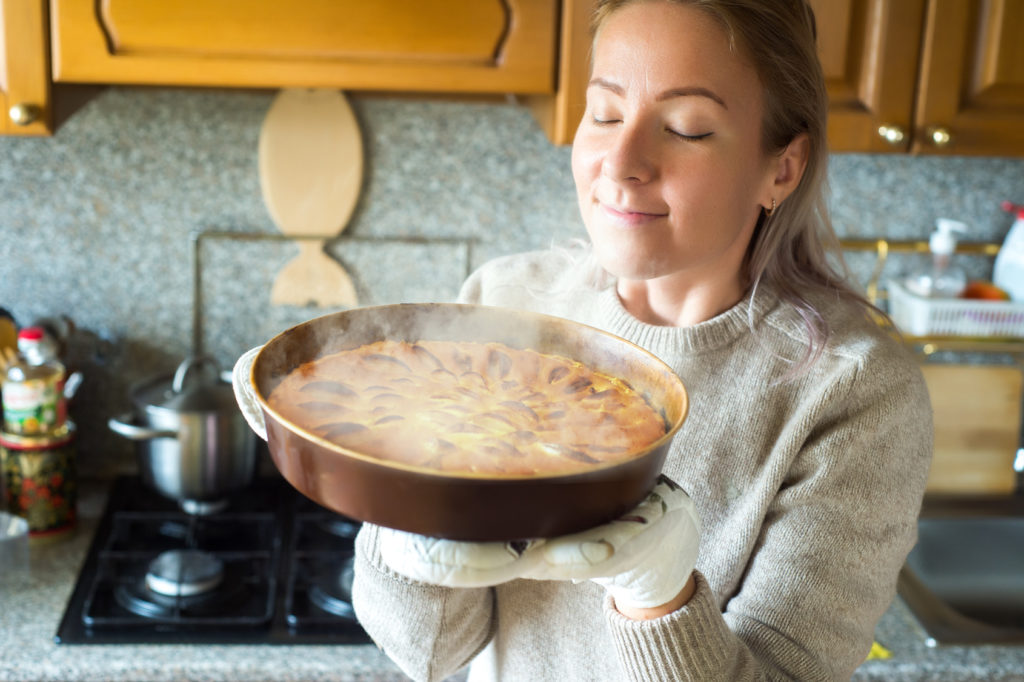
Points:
[(927, 345)]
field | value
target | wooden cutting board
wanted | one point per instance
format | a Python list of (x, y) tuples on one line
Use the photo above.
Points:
[(977, 427), (311, 173)]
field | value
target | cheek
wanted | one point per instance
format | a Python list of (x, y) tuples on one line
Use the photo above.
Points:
[(713, 188), (588, 151), (580, 174)]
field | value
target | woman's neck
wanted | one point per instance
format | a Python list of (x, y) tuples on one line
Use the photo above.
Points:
[(667, 304)]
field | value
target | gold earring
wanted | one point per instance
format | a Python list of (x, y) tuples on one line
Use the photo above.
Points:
[(769, 211)]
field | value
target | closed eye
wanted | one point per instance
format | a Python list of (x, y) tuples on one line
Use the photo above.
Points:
[(605, 121), (688, 137)]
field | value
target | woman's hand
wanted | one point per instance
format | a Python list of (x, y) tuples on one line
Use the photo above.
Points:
[(644, 559)]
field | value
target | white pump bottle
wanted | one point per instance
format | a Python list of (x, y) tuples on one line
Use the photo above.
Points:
[(942, 279)]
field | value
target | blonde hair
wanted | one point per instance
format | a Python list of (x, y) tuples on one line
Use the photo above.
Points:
[(790, 249)]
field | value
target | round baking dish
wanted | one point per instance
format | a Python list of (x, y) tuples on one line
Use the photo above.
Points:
[(468, 506)]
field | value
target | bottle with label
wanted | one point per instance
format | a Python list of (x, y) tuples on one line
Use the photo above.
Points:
[(942, 279), (33, 389)]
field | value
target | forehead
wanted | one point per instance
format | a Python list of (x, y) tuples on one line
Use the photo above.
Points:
[(666, 45)]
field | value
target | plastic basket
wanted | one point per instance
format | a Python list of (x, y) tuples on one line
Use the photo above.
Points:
[(954, 317)]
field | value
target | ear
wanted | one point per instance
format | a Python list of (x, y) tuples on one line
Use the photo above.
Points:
[(787, 168)]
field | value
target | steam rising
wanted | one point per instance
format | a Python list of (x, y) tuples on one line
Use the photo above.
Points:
[(521, 407)]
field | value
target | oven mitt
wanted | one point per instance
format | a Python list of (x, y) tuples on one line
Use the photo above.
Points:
[(643, 559), (244, 393)]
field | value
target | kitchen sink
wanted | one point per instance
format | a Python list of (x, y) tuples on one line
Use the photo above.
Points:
[(964, 580)]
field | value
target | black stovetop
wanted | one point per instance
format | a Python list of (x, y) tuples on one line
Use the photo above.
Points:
[(286, 570)]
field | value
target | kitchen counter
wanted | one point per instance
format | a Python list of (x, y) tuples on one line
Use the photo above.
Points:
[(31, 611)]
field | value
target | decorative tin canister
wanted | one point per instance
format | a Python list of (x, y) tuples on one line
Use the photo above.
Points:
[(41, 483)]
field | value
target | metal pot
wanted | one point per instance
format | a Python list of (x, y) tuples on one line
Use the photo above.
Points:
[(192, 441), (463, 507)]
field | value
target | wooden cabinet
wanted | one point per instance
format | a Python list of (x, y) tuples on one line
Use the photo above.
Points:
[(24, 79), (971, 87), (451, 46), (977, 428), (917, 76), (910, 76), (869, 52), (559, 114), (926, 77)]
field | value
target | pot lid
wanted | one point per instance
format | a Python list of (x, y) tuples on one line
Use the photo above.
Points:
[(189, 390)]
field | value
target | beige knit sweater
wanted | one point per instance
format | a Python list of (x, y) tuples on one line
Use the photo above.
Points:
[(808, 492)]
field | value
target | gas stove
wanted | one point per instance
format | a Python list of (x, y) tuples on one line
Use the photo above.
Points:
[(270, 567)]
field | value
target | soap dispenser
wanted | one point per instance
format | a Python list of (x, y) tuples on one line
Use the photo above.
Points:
[(1008, 272), (942, 279)]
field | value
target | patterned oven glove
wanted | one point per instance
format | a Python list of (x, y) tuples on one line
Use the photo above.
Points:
[(245, 394), (643, 559)]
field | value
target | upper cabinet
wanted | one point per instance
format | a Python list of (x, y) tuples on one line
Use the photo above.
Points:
[(24, 66), (926, 77), (560, 114), (869, 51), (909, 76), (971, 94), (454, 46), (917, 76)]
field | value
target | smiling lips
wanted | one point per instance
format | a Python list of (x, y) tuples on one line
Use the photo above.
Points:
[(630, 217)]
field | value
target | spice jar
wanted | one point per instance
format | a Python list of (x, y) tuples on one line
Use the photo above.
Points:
[(41, 481)]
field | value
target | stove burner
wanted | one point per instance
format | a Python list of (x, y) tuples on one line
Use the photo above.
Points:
[(139, 598), (270, 548), (334, 595), (184, 573), (203, 508)]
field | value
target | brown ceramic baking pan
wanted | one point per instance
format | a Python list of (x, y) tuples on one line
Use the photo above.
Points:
[(464, 507)]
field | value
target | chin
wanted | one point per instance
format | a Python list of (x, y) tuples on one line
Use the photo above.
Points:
[(628, 258)]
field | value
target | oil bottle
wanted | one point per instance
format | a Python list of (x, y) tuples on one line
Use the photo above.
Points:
[(33, 388)]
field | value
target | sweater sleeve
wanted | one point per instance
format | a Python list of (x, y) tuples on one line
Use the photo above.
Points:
[(430, 632), (828, 554)]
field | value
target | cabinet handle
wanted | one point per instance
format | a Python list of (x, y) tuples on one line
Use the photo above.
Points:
[(24, 114), (892, 134), (939, 136)]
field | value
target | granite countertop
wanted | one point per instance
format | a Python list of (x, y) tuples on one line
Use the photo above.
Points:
[(30, 612)]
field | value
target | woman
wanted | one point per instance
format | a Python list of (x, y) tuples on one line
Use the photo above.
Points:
[(699, 166)]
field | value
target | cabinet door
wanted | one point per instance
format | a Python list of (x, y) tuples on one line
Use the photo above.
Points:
[(855, 38), (24, 82), (971, 99), (491, 46), (560, 114), (869, 52)]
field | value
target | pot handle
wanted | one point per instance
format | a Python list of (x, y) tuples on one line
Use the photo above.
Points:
[(120, 425), (188, 364)]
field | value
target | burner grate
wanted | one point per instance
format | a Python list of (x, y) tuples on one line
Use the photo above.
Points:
[(119, 596), (321, 554), (282, 557)]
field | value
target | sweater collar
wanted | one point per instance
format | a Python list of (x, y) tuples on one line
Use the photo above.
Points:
[(709, 335)]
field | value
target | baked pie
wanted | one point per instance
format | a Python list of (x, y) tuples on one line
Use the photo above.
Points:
[(469, 408)]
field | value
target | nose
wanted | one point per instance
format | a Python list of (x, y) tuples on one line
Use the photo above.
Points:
[(629, 157)]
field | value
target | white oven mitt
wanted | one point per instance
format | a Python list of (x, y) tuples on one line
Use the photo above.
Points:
[(643, 558), (244, 393)]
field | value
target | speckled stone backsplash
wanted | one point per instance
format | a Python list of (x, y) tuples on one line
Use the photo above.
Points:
[(100, 223)]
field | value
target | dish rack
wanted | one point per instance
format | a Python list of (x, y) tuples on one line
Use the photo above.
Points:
[(921, 316)]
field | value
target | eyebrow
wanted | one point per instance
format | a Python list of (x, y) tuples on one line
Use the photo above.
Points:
[(688, 91)]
